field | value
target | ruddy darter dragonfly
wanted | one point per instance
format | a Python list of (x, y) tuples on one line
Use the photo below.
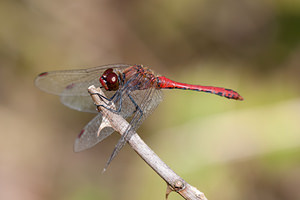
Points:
[(134, 89)]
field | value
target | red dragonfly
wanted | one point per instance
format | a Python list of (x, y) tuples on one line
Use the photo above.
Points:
[(134, 89)]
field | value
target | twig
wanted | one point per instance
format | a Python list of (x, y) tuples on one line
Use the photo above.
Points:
[(119, 124)]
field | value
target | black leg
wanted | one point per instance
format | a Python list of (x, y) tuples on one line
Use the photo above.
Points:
[(110, 100), (137, 108)]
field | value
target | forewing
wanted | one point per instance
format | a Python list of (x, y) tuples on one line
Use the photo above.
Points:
[(72, 82), (72, 85)]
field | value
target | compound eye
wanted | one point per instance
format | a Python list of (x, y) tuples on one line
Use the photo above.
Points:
[(112, 81), (103, 78), (107, 83), (107, 72)]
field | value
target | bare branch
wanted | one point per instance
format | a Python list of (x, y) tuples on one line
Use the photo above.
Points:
[(174, 182)]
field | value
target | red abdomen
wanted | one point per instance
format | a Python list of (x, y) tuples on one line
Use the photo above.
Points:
[(165, 83)]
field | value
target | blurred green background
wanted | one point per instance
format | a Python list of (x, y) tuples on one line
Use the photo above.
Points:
[(227, 149)]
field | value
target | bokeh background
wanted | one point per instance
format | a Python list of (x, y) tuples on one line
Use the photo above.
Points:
[(227, 149)]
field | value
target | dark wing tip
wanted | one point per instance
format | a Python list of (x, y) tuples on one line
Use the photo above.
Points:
[(77, 147), (43, 74)]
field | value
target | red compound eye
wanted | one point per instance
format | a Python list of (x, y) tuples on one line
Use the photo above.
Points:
[(112, 81), (109, 80), (107, 72)]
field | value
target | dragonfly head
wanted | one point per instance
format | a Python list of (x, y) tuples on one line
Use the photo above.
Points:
[(109, 80)]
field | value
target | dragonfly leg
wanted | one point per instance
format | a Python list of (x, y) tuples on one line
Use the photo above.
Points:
[(137, 108), (106, 106), (103, 97), (111, 109)]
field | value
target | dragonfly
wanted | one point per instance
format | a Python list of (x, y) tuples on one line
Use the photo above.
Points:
[(134, 90)]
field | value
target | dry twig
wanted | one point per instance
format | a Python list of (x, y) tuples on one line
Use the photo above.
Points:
[(119, 124)]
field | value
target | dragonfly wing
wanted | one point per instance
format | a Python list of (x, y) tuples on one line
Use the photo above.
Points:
[(81, 103), (72, 85), (89, 136), (72, 82), (147, 100), (153, 97)]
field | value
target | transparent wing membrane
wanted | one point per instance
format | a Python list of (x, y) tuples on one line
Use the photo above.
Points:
[(89, 136), (72, 82)]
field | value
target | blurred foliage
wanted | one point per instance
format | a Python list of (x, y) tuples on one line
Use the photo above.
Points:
[(227, 149)]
